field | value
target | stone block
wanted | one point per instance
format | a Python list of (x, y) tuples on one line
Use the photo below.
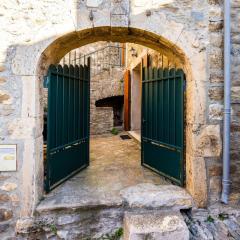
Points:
[(67, 219), (119, 20), (214, 170), (215, 185), (4, 198), (2, 80), (5, 214), (2, 68), (215, 26), (5, 98), (4, 227), (216, 112), (155, 225), (216, 93), (93, 3), (8, 187), (147, 195), (196, 179), (208, 142), (235, 94)]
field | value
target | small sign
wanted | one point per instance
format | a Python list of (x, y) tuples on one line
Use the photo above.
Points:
[(8, 157)]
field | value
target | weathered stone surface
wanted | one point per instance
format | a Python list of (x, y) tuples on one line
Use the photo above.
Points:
[(216, 111), (209, 143), (160, 225), (93, 3), (2, 68), (147, 195), (235, 94), (4, 227), (8, 186), (5, 214), (4, 198), (2, 80), (5, 98), (218, 222), (216, 93), (215, 170), (67, 219)]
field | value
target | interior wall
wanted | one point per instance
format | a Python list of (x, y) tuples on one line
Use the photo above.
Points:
[(136, 98)]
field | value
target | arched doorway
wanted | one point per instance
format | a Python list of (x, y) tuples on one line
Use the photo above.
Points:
[(162, 121), (56, 49)]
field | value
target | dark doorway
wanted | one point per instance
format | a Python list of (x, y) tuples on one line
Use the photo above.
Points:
[(116, 102)]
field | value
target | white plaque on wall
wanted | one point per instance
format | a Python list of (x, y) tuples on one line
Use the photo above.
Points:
[(8, 157)]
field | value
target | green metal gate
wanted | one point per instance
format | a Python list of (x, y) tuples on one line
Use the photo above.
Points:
[(67, 122), (163, 122)]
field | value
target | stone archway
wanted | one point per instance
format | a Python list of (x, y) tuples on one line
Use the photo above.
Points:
[(181, 50)]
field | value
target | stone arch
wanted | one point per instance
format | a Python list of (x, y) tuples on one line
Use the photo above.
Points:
[(54, 49), (62, 45)]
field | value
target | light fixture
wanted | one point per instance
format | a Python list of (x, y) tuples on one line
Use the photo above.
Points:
[(133, 52)]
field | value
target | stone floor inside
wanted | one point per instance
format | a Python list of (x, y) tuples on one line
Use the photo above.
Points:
[(115, 164)]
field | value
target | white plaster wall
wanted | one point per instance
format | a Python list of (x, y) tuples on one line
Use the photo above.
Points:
[(136, 98)]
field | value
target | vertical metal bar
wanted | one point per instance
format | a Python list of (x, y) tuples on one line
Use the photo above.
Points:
[(74, 102), (168, 87), (75, 57), (83, 98), (162, 106), (63, 107), (174, 105), (57, 109), (69, 58)]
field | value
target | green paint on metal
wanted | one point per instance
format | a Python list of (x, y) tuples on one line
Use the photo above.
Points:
[(163, 122), (68, 122)]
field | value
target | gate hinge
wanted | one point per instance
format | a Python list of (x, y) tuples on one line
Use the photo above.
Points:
[(45, 82)]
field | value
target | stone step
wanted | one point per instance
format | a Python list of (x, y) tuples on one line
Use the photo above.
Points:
[(161, 197), (155, 225), (140, 196)]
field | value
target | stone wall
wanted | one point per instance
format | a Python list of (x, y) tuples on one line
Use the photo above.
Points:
[(107, 84), (216, 94), (36, 34), (235, 127)]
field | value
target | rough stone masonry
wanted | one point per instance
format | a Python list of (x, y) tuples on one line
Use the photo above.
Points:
[(35, 34)]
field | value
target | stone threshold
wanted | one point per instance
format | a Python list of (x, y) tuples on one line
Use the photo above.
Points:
[(140, 196), (136, 135)]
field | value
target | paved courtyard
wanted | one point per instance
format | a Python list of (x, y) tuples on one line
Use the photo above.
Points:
[(114, 165)]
